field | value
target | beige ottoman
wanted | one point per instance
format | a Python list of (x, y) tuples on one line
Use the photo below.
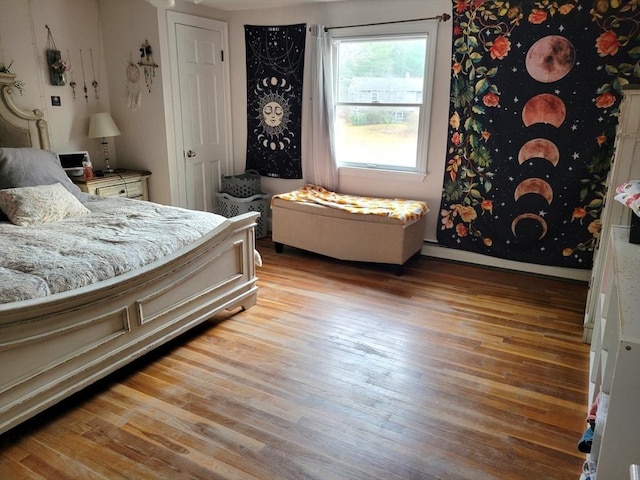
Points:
[(343, 235)]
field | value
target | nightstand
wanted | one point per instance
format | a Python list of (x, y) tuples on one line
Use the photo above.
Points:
[(122, 183)]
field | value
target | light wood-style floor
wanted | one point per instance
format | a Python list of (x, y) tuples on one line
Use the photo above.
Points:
[(342, 371)]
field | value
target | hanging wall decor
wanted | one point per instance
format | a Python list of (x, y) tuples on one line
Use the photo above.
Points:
[(72, 83), (84, 79), (134, 99), (57, 66), (147, 64), (535, 90), (94, 84), (275, 64)]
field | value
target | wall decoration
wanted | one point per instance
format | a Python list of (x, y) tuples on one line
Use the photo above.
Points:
[(84, 79), (134, 99), (275, 64), (94, 83), (57, 66), (535, 89), (147, 64), (72, 83)]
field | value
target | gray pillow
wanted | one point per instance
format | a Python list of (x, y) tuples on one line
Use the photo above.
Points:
[(30, 167)]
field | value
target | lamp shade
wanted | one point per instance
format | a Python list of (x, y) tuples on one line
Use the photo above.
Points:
[(102, 125)]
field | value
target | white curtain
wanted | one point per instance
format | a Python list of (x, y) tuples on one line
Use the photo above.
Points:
[(324, 171)]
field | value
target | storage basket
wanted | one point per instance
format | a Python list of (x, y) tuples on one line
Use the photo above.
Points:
[(244, 185), (231, 206)]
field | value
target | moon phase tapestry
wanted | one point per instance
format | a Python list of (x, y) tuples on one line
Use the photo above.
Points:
[(535, 92), (275, 65)]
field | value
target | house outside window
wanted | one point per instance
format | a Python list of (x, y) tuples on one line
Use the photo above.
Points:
[(383, 77)]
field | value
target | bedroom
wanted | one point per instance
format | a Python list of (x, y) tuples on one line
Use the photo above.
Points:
[(142, 145)]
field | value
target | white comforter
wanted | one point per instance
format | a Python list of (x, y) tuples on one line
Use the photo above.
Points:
[(118, 236)]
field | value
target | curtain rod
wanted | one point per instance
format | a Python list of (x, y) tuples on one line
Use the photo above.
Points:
[(442, 18)]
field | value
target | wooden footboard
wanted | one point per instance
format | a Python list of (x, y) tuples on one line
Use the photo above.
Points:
[(53, 347)]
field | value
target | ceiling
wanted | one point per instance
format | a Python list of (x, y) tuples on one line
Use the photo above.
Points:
[(250, 4)]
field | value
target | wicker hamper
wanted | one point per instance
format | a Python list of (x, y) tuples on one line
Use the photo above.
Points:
[(231, 206)]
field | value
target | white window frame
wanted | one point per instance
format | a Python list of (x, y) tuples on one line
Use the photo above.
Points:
[(425, 29)]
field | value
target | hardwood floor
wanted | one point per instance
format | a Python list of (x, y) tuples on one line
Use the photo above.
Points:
[(342, 371)]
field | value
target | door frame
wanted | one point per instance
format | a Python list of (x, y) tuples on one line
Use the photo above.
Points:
[(176, 164)]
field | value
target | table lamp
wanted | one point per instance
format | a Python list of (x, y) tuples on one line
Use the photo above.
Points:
[(101, 125)]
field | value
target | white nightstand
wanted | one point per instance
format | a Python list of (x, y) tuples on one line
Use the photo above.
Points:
[(122, 183)]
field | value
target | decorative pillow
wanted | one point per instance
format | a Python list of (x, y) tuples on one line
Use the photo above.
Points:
[(42, 204), (29, 167)]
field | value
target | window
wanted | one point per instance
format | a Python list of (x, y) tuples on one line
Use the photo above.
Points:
[(383, 77)]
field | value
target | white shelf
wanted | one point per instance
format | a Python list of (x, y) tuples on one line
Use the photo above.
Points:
[(625, 167), (614, 369)]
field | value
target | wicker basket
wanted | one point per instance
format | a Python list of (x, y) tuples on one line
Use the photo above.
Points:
[(244, 185), (231, 206)]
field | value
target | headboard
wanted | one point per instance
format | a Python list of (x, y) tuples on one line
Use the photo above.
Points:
[(19, 128)]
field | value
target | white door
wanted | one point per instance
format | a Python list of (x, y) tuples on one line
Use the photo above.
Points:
[(203, 115)]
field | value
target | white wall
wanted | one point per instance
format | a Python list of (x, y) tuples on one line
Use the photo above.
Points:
[(147, 139), (126, 25), (23, 39), (349, 13), (113, 30)]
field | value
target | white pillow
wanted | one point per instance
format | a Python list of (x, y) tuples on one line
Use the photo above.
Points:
[(28, 206)]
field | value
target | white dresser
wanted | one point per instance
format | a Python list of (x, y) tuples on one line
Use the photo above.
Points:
[(615, 359), (625, 167)]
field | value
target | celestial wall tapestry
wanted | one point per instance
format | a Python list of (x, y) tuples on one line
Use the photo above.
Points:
[(275, 65), (535, 93)]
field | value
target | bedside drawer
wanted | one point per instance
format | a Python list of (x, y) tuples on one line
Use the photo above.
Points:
[(123, 183), (131, 190)]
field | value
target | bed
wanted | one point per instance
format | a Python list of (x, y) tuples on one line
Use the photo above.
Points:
[(349, 227), (69, 331)]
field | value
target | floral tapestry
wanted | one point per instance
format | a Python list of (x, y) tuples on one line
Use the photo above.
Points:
[(535, 94)]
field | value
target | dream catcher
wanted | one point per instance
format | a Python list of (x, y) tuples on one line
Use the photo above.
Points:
[(134, 99)]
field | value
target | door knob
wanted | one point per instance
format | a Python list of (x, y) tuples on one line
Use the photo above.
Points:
[(191, 153)]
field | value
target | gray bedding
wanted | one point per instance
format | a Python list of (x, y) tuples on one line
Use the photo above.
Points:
[(119, 235)]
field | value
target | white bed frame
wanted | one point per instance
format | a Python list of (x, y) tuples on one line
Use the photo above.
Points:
[(53, 347)]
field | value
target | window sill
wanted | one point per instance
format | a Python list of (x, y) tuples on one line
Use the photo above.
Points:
[(387, 175)]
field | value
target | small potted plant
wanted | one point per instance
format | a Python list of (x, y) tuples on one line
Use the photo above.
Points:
[(18, 84), (57, 67)]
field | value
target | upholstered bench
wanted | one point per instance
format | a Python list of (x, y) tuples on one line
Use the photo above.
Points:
[(344, 235)]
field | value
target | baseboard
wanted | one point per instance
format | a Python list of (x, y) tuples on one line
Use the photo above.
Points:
[(432, 249), (438, 251)]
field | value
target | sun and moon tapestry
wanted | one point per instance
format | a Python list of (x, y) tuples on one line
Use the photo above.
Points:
[(275, 64), (535, 94)]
